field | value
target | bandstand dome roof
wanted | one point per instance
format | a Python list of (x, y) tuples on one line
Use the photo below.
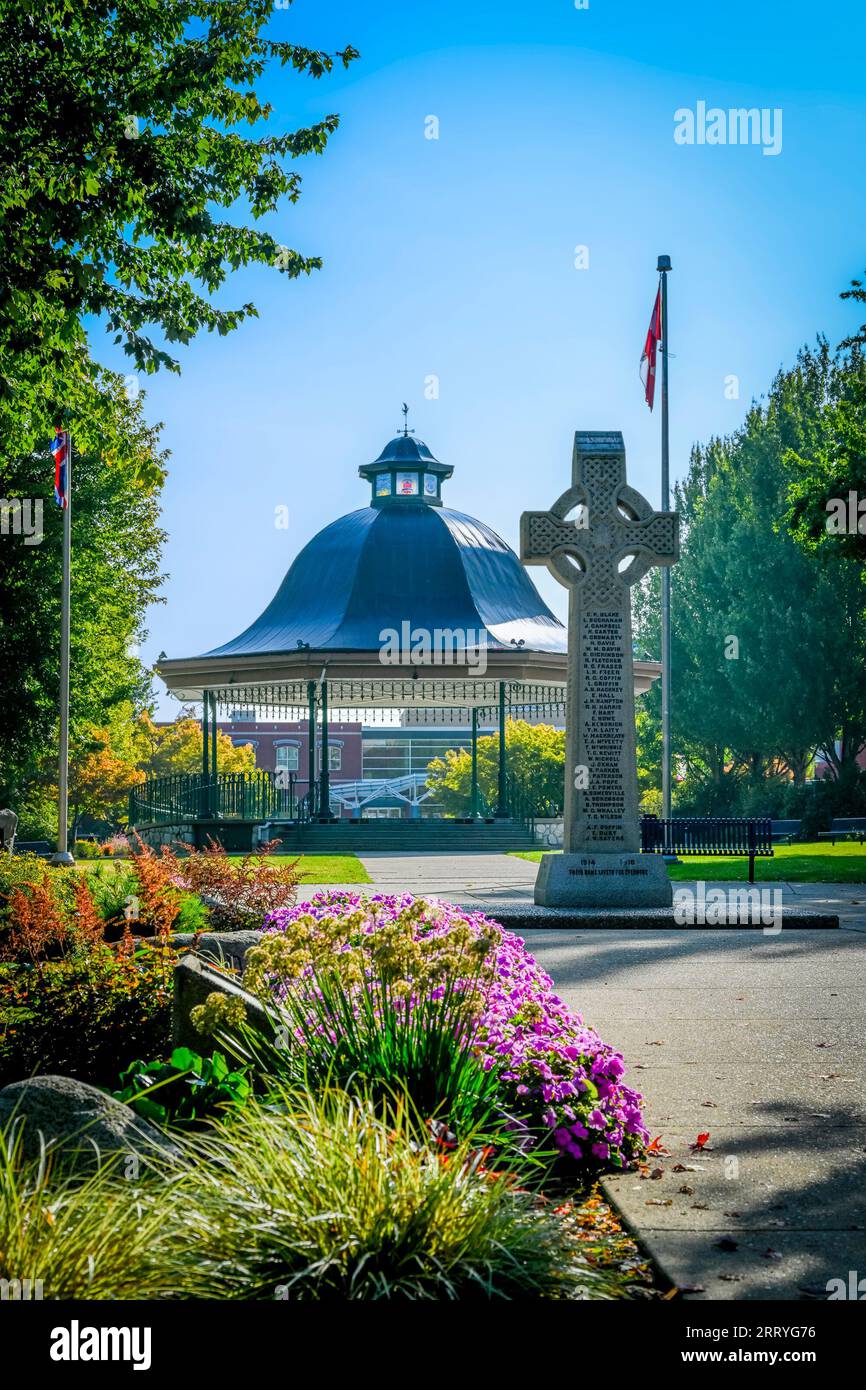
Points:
[(404, 559)]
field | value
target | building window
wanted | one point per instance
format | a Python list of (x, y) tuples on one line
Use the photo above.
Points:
[(407, 484), (335, 758), (383, 484), (287, 757)]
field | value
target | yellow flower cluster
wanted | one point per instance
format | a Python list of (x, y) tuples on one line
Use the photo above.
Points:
[(398, 950), (218, 1011)]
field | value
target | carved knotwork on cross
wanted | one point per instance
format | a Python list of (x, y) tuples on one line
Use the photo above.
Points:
[(613, 522)]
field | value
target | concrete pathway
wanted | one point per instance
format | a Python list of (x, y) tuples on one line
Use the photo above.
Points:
[(758, 1039), (485, 881)]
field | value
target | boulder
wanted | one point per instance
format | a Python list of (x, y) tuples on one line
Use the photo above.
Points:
[(194, 981), (225, 947), (80, 1120)]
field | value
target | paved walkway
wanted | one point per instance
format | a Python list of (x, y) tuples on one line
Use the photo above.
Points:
[(760, 1041), (486, 881), (757, 1039)]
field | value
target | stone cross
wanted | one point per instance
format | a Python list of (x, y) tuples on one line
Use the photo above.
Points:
[(597, 539)]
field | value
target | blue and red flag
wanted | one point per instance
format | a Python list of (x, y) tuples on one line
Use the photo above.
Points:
[(60, 450)]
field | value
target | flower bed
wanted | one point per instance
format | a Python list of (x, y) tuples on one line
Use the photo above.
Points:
[(559, 1079)]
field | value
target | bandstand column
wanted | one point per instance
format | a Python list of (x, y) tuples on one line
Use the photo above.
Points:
[(205, 756), (473, 800), (325, 772), (502, 795), (213, 798), (311, 750)]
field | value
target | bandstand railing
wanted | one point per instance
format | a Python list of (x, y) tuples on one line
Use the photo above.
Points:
[(186, 796)]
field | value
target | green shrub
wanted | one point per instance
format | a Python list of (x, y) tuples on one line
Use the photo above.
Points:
[(86, 1015), (184, 1091), (372, 1035), (86, 849)]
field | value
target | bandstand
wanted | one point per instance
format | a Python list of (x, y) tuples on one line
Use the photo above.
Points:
[(402, 606)]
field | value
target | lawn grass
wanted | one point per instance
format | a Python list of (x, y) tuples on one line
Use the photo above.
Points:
[(811, 862), (312, 868)]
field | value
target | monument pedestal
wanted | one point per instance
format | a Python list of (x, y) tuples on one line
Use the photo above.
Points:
[(593, 880)]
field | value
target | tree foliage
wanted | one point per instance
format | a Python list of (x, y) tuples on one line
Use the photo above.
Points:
[(768, 642), (125, 129), (535, 757), (165, 749), (115, 577)]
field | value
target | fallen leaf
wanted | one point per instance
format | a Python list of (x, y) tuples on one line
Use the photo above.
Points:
[(726, 1243), (731, 1278), (711, 1104), (686, 1190), (770, 1254), (657, 1173), (701, 1141), (659, 1202), (700, 1206)]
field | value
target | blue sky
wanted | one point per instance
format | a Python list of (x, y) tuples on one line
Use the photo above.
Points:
[(455, 258)]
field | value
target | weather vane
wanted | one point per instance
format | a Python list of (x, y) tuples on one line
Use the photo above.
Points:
[(406, 429)]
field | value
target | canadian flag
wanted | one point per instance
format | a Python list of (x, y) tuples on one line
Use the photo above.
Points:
[(650, 347)]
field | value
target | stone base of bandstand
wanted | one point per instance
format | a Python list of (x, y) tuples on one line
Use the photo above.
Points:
[(603, 880)]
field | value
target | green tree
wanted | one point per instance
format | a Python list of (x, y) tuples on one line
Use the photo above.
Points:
[(125, 127), (115, 577), (827, 488), (535, 757), (164, 749), (767, 645)]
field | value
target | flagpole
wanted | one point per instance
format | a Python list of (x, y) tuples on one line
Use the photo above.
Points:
[(62, 855), (663, 266)]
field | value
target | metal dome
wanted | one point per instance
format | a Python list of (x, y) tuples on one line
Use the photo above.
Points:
[(380, 567), (405, 564)]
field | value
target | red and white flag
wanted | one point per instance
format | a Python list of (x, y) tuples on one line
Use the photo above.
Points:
[(650, 347)]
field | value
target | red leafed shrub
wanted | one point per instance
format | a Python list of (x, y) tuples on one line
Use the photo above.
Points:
[(240, 893)]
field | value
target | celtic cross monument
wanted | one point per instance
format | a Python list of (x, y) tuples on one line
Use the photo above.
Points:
[(597, 539)]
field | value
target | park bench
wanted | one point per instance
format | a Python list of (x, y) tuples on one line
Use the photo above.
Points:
[(40, 847), (845, 828), (787, 830), (728, 837)]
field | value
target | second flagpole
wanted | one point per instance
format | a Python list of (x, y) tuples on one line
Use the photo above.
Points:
[(63, 856), (663, 267)]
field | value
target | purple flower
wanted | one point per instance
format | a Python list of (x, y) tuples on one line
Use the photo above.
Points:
[(541, 1064)]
